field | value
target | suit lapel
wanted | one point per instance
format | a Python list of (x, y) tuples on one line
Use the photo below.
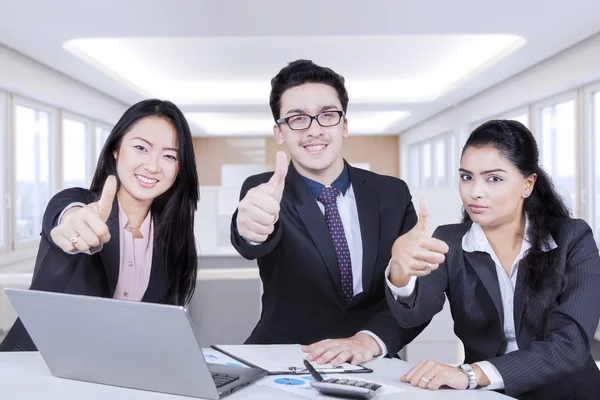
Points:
[(519, 301), (315, 223), (368, 216), (485, 268), (110, 253)]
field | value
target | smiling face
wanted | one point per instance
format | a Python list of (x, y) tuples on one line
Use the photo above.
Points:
[(492, 189), (147, 160), (317, 151)]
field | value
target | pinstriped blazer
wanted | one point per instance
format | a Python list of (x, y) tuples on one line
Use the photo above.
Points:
[(557, 366)]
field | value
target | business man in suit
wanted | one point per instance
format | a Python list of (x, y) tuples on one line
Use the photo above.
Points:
[(321, 229), (522, 278)]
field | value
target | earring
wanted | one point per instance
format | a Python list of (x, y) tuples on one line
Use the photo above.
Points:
[(526, 194)]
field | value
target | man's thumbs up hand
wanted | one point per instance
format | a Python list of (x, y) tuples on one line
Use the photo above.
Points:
[(259, 209)]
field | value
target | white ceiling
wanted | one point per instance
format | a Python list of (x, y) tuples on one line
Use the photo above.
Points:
[(403, 61)]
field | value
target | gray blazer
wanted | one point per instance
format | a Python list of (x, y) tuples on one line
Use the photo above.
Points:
[(556, 366)]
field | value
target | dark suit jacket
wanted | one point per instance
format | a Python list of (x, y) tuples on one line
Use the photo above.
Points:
[(303, 300), (558, 367), (95, 275)]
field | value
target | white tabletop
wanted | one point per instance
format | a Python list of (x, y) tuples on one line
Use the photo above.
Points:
[(24, 375)]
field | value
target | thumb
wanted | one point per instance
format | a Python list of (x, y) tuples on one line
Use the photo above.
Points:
[(109, 192), (423, 223), (277, 181)]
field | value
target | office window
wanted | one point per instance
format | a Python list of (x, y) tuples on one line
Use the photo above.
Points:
[(414, 165), (101, 136), (75, 142), (596, 133), (32, 145), (454, 154), (439, 161), (557, 147), (4, 165), (427, 178)]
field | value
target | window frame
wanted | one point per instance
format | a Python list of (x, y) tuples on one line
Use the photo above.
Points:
[(5, 174), (414, 148), (89, 144), (448, 137), (588, 166), (55, 154), (571, 95), (95, 147)]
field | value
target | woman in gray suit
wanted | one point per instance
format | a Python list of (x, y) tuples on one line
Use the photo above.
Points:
[(522, 278)]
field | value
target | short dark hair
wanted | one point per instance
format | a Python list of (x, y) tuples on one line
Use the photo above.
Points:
[(300, 72)]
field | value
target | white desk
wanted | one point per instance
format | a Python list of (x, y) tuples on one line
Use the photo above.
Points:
[(25, 376)]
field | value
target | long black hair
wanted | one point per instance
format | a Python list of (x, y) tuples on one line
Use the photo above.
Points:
[(543, 207), (173, 211)]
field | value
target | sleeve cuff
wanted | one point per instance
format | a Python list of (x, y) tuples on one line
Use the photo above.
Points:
[(243, 238), (384, 349), (403, 292), (493, 375), (67, 208)]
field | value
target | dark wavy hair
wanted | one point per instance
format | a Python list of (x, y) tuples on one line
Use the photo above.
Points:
[(173, 211), (300, 72), (543, 207)]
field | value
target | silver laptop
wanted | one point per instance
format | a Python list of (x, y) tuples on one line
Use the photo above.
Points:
[(121, 343)]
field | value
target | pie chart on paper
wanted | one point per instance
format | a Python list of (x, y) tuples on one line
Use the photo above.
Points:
[(289, 381)]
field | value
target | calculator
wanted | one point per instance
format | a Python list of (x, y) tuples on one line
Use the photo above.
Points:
[(347, 388)]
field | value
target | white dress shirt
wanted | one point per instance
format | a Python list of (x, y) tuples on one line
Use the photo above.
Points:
[(349, 215), (476, 240)]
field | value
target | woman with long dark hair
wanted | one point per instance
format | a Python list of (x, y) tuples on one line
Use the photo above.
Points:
[(521, 276), (131, 235)]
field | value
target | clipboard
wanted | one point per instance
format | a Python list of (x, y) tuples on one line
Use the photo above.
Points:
[(282, 359)]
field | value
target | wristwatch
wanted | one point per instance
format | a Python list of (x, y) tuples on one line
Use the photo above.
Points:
[(467, 369)]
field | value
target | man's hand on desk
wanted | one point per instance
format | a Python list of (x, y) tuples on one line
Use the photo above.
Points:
[(355, 350)]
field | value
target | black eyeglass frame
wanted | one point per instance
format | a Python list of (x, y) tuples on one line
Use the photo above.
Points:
[(312, 118)]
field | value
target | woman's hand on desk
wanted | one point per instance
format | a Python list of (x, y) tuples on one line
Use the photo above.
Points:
[(433, 375), (416, 253), (82, 228)]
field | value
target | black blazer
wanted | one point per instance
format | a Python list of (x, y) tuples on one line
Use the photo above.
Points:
[(558, 367), (303, 300), (95, 275)]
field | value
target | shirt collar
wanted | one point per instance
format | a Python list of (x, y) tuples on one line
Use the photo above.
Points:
[(342, 183), (123, 221), (475, 240)]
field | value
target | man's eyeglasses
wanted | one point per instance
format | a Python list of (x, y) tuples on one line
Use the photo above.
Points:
[(304, 121)]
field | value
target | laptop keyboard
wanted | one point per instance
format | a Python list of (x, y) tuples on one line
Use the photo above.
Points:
[(223, 379)]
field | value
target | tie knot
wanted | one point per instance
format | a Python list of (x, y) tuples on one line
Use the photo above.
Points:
[(328, 195)]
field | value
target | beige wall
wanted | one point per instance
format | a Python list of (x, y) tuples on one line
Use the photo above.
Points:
[(212, 153), (382, 152)]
